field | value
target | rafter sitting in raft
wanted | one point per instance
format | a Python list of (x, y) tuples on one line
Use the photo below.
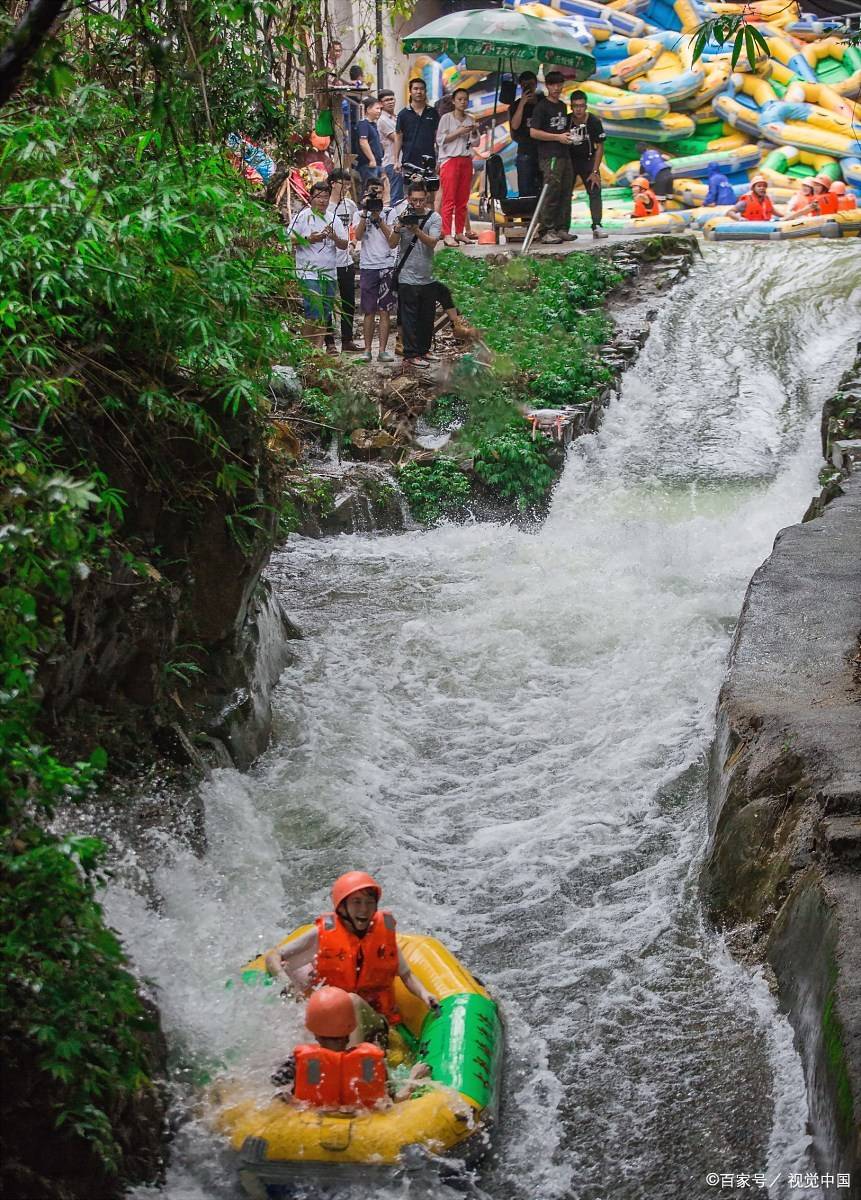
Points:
[(846, 198), (824, 202), (354, 948), (646, 203), (756, 204), (330, 1075)]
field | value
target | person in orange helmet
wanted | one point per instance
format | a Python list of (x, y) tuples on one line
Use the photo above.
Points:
[(823, 202), (646, 203), (756, 204), (846, 198), (801, 199), (354, 947), (329, 1073)]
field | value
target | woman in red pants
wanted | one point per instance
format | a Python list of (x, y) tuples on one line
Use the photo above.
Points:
[(455, 137)]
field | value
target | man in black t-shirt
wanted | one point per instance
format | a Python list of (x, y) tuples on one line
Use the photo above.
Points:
[(549, 129), (587, 150), (520, 119)]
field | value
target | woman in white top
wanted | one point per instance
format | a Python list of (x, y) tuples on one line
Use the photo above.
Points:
[(455, 136)]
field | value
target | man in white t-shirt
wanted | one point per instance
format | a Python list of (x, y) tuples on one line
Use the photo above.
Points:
[(317, 240), (343, 206), (386, 125), (376, 258)]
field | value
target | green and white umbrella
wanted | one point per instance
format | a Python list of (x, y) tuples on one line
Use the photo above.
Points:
[(486, 36)]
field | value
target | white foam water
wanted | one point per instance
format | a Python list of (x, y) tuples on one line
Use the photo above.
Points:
[(510, 729)]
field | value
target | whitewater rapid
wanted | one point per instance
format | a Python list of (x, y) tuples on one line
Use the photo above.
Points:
[(510, 729)]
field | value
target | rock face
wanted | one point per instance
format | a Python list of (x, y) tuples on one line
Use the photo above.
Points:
[(784, 857)]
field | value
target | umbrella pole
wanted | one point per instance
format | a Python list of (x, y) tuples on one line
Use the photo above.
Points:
[(492, 132)]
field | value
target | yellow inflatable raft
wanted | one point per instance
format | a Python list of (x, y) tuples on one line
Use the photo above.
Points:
[(279, 1143)]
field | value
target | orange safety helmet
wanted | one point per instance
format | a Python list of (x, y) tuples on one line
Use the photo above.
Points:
[(823, 181), (758, 179), (329, 1013), (838, 187), (353, 881), (641, 181), (806, 183)]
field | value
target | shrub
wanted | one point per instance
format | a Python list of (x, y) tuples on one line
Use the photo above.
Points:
[(434, 491), (515, 465)]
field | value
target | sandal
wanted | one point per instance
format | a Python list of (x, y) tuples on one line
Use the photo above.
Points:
[(450, 241)]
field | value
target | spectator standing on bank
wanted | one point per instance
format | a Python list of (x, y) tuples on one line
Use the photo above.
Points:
[(343, 207), (456, 135), (386, 125), (587, 153), (520, 119), (352, 111), (317, 240), (370, 146), (653, 164), (415, 130), (416, 241), (374, 232), (550, 121)]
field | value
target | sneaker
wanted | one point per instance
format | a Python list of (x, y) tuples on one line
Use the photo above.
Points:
[(384, 356), (330, 346), (433, 357), (550, 239), (421, 363), (350, 348), (366, 357), (598, 233), (565, 236)]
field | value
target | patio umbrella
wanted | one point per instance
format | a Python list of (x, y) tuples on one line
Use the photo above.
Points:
[(488, 37)]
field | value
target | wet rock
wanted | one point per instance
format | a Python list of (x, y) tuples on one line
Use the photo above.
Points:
[(372, 439), (285, 385), (785, 803)]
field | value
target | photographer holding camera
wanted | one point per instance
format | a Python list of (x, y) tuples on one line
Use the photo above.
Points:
[(317, 240), (375, 228), (416, 233)]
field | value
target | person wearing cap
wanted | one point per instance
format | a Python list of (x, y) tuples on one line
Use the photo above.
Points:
[(846, 198), (720, 190), (756, 204), (646, 203), (330, 1073), (354, 947)]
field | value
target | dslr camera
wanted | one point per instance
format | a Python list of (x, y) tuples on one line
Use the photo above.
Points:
[(372, 205), (425, 171)]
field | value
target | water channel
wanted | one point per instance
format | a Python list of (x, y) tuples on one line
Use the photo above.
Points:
[(510, 729)]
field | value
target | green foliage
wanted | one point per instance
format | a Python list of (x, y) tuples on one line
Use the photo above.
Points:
[(515, 465), (63, 989), (447, 410), (144, 295), (435, 491), (542, 320)]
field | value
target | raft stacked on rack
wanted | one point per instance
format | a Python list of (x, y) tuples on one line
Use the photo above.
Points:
[(280, 1144)]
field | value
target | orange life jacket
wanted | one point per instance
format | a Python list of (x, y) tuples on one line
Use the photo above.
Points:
[(367, 965), (846, 202), (756, 209), (826, 204), (646, 204), (340, 1078)]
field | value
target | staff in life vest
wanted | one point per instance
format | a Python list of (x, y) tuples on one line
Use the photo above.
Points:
[(646, 203), (354, 947), (756, 204), (846, 198)]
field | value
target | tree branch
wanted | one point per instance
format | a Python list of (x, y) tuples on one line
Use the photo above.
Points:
[(25, 41)]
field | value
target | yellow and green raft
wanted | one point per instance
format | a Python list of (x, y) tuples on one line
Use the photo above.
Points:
[(280, 1144)]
